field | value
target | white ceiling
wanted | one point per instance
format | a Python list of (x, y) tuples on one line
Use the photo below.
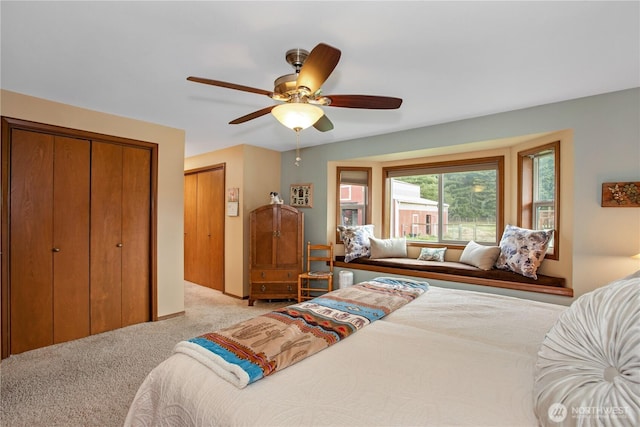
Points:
[(446, 60)]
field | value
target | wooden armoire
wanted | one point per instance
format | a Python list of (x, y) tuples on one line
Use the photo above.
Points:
[(275, 253), (77, 234), (204, 226)]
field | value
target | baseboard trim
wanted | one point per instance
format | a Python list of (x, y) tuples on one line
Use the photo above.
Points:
[(171, 316)]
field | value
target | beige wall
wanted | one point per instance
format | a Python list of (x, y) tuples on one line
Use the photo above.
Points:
[(256, 172), (170, 177)]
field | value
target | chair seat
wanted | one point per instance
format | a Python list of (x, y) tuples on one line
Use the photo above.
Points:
[(317, 274)]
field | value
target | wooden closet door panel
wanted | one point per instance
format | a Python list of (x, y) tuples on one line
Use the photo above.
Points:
[(31, 225), (216, 219), (190, 227), (71, 238), (289, 244), (136, 235), (106, 226), (204, 232)]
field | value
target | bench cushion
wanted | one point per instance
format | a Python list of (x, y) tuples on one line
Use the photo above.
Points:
[(456, 268)]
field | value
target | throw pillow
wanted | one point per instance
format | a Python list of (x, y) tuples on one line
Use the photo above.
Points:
[(432, 254), (388, 248), (591, 359), (356, 240), (480, 256), (523, 250)]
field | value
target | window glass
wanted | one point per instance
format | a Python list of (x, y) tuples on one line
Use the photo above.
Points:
[(540, 177), (353, 207), (446, 203)]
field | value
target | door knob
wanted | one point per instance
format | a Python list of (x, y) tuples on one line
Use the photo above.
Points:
[(56, 249), (119, 245)]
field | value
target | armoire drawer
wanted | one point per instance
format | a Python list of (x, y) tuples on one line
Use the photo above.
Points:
[(274, 290), (274, 275)]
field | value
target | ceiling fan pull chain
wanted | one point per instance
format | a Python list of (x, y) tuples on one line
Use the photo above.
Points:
[(298, 158)]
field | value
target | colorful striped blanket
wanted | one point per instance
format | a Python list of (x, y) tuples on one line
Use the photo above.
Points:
[(258, 347)]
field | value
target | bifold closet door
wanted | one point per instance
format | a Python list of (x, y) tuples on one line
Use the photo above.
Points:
[(120, 233), (204, 218), (49, 245)]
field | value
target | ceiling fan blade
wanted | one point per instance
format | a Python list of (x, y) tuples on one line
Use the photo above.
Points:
[(252, 116), (230, 85), (317, 67), (365, 101), (323, 124)]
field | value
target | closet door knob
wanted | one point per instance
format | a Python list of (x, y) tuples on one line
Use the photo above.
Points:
[(55, 249), (119, 245)]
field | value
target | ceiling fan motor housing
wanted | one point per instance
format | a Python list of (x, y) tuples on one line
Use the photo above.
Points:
[(285, 86)]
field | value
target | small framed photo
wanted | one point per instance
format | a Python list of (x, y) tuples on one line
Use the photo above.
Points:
[(301, 195), (232, 208), (232, 194)]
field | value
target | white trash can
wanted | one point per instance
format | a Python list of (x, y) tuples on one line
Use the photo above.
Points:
[(345, 279)]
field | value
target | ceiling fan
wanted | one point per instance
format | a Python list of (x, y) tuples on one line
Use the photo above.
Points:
[(301, 91)]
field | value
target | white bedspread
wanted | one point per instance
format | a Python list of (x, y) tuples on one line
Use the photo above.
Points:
[(448, 358)]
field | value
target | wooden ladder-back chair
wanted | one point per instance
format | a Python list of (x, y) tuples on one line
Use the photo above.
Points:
[(310, 283)]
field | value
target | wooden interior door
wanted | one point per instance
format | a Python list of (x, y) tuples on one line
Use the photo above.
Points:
[(204, 227), (106, 237), (216, 216), (66, 223), (190, 227), (50, 239), (136, 234), (203, 220), (71, 193), (31, 259)]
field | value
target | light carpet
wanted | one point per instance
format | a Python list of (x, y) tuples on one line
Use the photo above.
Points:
[(92, 381)]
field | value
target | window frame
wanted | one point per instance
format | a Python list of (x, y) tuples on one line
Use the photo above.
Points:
[(339, 184), (430, 168), (526, 190)]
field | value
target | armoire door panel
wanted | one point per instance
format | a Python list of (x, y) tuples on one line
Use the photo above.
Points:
[(288, 253), (71, 239), (190, 227), (31, 256), (106, 237), (263, 228), (136, 199)]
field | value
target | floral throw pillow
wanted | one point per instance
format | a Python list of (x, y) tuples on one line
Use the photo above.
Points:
[(522, 250), (356, 241), (432, 254)]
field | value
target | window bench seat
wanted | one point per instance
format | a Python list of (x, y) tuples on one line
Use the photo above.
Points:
[(457, 272)]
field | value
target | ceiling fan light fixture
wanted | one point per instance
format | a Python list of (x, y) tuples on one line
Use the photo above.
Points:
[(297, 116)]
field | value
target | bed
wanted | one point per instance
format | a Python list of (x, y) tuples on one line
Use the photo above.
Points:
[(448, 357)]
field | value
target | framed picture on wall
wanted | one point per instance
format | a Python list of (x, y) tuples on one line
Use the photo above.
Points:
[(301, 195), (621, 194)]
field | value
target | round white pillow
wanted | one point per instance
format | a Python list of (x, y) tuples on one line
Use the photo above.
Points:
[(588, 367)]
